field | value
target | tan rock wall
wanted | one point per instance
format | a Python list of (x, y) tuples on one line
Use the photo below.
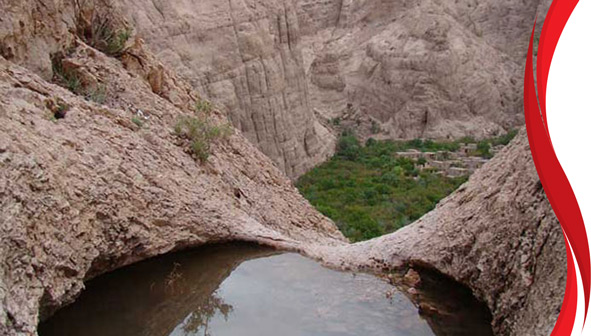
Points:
[(93, 191), (245, 56), (433, 69)]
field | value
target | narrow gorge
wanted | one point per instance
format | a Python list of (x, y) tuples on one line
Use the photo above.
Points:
[(135, 129)]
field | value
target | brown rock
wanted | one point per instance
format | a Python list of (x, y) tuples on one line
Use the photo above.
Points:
[(246, 57), (428, 309), (90, 193), (412, 278), (430, 69)]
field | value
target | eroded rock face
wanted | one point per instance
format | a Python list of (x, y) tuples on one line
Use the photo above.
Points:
[(246, 56), (407, 69), (282, 69), (93, 191), (497, 234)]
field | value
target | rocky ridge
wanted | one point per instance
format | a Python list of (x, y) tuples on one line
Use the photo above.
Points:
[(497, 234), (395, 69), (91, 190)]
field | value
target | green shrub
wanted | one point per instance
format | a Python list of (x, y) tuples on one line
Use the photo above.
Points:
[(116, 41), (467, 140), (97, 95), (72, 80), (415, 143), (138, 121), (62, 107), (429, 145), (348, 146), (101, 31), (483, 149), (67, 78), (201, 133), (504, 139), (203, 106), (58, 107), (360, 225)]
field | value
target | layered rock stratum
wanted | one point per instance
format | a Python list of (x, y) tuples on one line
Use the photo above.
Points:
[(246, 56), (92, 192)]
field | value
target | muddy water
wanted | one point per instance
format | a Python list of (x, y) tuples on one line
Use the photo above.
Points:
[(246, 290)]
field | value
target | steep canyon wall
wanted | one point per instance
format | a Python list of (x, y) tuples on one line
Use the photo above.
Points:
[(431, 69), (245, 56)]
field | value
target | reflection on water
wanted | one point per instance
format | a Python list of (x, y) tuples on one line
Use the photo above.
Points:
[(242, 290), (200, 318)]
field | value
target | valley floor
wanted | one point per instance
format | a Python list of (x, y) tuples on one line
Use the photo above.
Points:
[(383, 186)]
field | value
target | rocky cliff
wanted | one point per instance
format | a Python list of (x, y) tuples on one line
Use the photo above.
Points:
[(394, 69), (92, 192), (246, 56), (497, 234), (86, 187), (406, 69)]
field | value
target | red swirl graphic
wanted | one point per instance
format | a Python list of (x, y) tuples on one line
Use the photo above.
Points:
[(552, 176)]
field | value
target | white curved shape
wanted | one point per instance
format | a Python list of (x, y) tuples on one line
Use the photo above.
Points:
[(568, 103)]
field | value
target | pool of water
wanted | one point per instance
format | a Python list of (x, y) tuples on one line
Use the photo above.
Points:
[(247, 290)]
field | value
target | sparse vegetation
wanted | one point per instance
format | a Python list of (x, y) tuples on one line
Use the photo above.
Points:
[(200, 133), (61, 110), (71, 79), (504, 139), (65, 77), (97, 95), (203, 106), (483, 149), (99, 29), (336, 121), (138, 121), (116, 41), (58, 108), (375, 127)]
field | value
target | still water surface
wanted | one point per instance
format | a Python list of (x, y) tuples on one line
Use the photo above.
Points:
[(231, 290)]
